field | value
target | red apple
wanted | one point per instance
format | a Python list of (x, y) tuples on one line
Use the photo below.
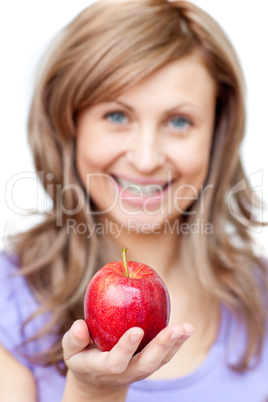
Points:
[(122, 295)]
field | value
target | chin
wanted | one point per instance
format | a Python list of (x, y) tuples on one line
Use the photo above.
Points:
[(141, 224)]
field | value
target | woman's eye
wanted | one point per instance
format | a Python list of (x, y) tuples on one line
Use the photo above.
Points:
[(116, 117), (179, 123)]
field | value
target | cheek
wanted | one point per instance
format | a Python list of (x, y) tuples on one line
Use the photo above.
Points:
[(192, 163), (192, 173), (93, 160), (94, 156)]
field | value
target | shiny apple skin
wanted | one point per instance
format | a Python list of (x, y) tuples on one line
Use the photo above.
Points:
[(114, 303)]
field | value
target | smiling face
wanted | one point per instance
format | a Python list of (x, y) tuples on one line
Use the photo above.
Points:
[(144, 156)]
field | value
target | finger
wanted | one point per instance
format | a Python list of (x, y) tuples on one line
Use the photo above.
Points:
[(167, 342), (107, 363), (119, 357), (188, 332), (76, 339)]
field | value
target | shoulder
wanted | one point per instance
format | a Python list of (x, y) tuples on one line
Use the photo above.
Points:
[(16, 305), (9, 278), (8, 263), (233, 340), (14, 288)]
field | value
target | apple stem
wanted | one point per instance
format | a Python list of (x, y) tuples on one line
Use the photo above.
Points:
[(124, 250)]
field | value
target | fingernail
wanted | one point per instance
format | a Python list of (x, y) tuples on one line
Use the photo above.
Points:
[(186, 336), (175, 336), (73, 332), (135, 337), (188, 328)]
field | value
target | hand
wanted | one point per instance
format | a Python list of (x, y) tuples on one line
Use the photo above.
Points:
[(100, 372)]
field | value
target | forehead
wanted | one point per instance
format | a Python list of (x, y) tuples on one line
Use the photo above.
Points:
[(185, 80)]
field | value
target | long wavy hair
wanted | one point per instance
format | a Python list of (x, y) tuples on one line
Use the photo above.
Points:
[(107, 48)]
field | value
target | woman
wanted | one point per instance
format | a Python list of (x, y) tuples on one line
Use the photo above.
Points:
[(136, 124)]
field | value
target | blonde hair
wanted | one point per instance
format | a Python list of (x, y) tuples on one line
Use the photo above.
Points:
[(107, 48)]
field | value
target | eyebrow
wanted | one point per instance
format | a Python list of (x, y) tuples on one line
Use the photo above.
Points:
[(123, 104), (180, 105)]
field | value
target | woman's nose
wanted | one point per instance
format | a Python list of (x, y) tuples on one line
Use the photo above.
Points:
[(145, 151)]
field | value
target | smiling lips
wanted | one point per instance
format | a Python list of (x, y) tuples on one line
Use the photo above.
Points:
[(141, 190)]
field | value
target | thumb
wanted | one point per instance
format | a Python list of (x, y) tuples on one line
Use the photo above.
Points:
[(76, 339)]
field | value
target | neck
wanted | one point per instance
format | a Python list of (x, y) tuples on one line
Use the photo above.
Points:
[(160, 251)]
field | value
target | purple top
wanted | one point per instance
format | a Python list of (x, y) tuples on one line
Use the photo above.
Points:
[(212, 381)]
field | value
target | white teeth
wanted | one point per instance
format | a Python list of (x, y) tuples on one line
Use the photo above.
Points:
[(139, 189)]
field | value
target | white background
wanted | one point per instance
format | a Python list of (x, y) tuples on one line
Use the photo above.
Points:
[(26, 27)]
